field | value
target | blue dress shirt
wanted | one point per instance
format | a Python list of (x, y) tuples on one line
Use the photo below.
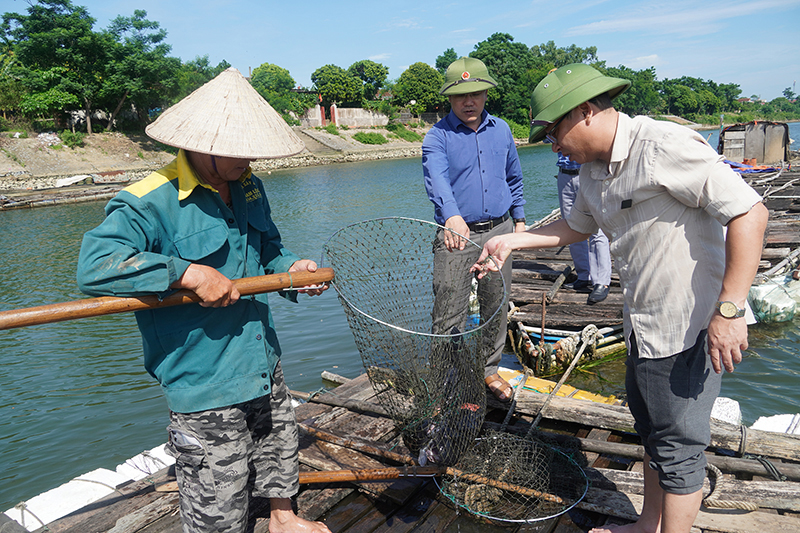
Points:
[(475, 174)]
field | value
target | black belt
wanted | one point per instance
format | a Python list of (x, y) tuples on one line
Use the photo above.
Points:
[(479, 227), (570, 171)]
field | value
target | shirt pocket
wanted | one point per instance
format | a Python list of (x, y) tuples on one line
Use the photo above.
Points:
[(202, 243)]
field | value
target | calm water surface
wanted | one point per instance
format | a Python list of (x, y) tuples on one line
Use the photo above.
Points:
[(74, 396)]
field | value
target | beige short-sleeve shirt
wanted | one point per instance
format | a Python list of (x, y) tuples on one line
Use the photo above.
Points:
[(663, 201)]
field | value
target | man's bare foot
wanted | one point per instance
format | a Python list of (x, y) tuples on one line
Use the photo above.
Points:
[(283, 520)]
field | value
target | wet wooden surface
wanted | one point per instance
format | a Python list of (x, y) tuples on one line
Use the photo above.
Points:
[(415, 504)]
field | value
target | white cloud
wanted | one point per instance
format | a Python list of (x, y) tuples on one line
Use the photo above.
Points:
[(379, 57)]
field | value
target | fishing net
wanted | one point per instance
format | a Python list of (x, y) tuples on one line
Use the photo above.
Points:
[(510, 478), (424, 328)]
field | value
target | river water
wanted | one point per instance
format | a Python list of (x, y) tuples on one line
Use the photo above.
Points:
[(74, 395)]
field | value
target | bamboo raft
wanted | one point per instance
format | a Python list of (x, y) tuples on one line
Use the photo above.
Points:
[(343, 430)]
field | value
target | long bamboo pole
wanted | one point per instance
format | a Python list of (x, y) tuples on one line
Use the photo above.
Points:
[(107, 305)]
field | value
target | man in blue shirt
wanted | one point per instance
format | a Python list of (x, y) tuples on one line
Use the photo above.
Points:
[(196, 224), (474, 179), (591, 257)]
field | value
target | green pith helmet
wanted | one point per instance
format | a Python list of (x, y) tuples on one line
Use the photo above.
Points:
[(564, 89), (466, 75)]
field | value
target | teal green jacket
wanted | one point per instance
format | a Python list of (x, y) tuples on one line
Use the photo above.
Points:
[(204, 358)]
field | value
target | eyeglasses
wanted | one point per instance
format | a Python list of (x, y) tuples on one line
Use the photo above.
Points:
[(550, 136)]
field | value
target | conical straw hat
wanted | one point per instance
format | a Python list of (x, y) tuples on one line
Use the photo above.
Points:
[(226, 117)]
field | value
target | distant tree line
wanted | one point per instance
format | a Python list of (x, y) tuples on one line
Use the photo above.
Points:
[(53, 62)]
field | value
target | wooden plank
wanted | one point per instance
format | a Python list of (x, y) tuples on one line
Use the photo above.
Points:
[(618, 418), (326, 456), (780, 495), (103, 514), (628, 506)]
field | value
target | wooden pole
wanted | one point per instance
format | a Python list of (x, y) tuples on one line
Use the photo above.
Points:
[(107, 305)]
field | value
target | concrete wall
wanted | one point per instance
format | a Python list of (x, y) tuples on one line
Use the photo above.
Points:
[(359, 118), (343, 116)]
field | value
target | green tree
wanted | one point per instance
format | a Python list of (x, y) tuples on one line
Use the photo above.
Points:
[(269, 78), (642, 97), (59, 54), (11, 89), (372, 74), (276, 85), (788, 93), (507, 62), (336, 86), (558, 57), (418, 89), (194, 74), (140, 71), (444, 60)]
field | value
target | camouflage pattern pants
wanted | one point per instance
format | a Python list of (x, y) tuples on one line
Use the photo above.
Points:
[(225, 455)]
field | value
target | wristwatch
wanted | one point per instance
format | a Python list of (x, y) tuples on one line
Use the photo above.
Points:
[(729, 310), (518, 220)]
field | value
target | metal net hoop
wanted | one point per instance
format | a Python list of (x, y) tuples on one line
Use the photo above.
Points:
[(424, 327), (513, 479)]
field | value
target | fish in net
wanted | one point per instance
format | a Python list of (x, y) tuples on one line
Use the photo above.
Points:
[(423, 341), (424, 345)]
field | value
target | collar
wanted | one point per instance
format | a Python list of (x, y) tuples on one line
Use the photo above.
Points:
[(188, 180), (455, 122), (622, 142)]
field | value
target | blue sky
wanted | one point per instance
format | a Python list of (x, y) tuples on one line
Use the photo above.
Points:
[(755, 44)]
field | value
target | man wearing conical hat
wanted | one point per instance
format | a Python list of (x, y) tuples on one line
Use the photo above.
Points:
[(196, 224), (474, 179), (663, 197)]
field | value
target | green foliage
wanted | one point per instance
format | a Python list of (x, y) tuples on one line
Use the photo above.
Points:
[(43, 124), (384, 107), (370, 138), (331, 128), (507, 62), (72, 139), (642, 96), (418, 89), (444, 60), (269, 78), (403, 133), (193, 74), (558, 57), (372, 74), (518, 130), (336, 86), (275, 84), (139, 72)]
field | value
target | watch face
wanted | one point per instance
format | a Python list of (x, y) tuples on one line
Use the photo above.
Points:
[(728, 309)]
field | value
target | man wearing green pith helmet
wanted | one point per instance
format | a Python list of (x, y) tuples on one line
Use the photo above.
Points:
[(474, 179), (685, 236)]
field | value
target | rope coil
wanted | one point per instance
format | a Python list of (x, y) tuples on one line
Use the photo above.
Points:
[(709, 501)]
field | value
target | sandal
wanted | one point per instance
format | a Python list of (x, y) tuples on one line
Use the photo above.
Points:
[(499, 387)]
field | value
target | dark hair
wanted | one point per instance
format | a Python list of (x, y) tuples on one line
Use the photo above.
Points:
[(602, 102)]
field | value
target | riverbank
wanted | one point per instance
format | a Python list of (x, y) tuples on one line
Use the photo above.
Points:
[(40, 170)]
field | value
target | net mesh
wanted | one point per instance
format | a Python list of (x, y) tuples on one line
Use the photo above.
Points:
[(422, 326), (510, 478)]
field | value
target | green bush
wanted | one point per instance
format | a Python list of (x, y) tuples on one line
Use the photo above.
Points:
[(72, 139), (403, 133), (331, 128), (370, 138), (518, 130), (44, 124)]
